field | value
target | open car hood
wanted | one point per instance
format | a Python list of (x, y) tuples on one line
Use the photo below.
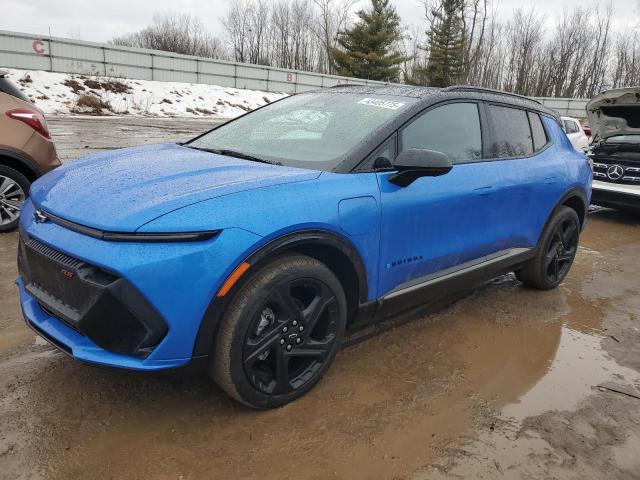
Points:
[(614, 112)]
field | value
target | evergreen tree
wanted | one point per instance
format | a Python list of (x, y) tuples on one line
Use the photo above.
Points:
[(446, 44), (368, 47)]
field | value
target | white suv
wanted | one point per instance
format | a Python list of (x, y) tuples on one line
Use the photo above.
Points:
[(614, 117), (573, 128)]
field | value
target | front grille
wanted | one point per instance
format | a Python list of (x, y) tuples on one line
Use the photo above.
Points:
[(53, 254), (614, 170), (89, 300), (54, 278)]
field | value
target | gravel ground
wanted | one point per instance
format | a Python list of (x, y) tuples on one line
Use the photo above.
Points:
[(505, 383)]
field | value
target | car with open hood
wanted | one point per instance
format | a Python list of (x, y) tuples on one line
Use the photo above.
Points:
[(614, 117), (251, 249)]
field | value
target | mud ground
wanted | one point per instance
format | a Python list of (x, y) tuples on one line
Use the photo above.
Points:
[(505, 383)]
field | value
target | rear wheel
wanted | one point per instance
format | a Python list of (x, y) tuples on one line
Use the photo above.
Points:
[(14, 188), (557, 249), (280, 333)]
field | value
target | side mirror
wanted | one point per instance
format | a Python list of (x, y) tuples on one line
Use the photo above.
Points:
[(415, 163)]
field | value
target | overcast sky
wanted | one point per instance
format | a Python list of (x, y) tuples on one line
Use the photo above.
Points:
[(100, 21)]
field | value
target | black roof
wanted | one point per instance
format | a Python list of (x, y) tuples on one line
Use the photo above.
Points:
[(398, 90), (456, 91)]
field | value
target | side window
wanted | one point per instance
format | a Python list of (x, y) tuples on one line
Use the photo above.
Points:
[(575, 127), (511, 132), (538, 131), (453, 129), (570, 126)]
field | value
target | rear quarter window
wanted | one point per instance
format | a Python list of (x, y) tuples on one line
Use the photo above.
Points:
[(511, 132), (540, 138)]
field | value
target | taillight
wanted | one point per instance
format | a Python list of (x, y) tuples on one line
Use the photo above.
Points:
[(33, 118)]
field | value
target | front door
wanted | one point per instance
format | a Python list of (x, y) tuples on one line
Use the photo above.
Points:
[(436, 223)]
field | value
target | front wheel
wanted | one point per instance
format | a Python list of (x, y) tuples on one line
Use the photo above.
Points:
[(556, 251), (280, 332)]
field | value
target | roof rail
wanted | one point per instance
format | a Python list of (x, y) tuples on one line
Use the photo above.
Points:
[(468, 88)]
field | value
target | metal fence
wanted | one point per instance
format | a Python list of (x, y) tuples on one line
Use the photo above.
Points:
[(567, 107), (33, 52)]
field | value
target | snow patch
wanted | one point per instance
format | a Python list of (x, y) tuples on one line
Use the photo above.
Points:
[(61, 93)]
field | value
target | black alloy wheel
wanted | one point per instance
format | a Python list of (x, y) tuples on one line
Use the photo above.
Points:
[(556, 251), (561, 250), (291, 337), (280, 332)]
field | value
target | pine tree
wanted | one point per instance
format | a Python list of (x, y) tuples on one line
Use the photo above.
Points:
[(446, 44), (368, 47)]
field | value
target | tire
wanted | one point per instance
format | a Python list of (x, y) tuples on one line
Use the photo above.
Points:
[(556, 252), (280, 333), (14, 188)]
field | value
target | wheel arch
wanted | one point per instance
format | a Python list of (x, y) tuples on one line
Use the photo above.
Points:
[(575, 199), (330, 248), (19, 163), (577, 202)]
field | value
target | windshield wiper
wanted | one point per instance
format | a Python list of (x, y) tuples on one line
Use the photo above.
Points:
[(234, 153)]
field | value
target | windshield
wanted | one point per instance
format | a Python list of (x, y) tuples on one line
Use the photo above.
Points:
[(310, 130)]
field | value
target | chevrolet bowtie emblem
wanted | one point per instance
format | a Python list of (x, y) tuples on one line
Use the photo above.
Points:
[(40, 217)]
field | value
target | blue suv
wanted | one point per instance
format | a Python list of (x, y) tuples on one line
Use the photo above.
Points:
[(253, 248)]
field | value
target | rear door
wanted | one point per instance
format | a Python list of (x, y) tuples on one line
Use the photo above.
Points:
[(529, 175)]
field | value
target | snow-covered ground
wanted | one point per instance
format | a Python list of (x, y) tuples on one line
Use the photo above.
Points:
[(60, 93)]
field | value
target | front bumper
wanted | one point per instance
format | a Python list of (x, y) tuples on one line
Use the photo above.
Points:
[(615, 195), (80, 346), (174, 283)]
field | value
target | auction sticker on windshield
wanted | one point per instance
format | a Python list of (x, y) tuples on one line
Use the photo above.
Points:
[(376, 102)]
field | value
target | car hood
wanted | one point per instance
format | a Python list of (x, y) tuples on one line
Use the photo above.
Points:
[(615, 112), (121, 190)]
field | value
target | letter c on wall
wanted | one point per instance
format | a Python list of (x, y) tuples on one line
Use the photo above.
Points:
[(38, 47)]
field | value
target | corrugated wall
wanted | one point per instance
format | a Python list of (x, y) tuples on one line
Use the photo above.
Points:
[(32, 52), (568, 107)]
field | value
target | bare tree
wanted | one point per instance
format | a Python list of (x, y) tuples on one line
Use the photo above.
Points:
[(579, 57), (173, 32), (333, 17), (625, 69), (520, 56), (237, 27)]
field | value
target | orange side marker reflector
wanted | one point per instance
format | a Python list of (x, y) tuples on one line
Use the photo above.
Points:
[(233, 278)]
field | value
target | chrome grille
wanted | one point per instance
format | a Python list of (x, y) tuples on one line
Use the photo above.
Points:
[(630, 175)]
